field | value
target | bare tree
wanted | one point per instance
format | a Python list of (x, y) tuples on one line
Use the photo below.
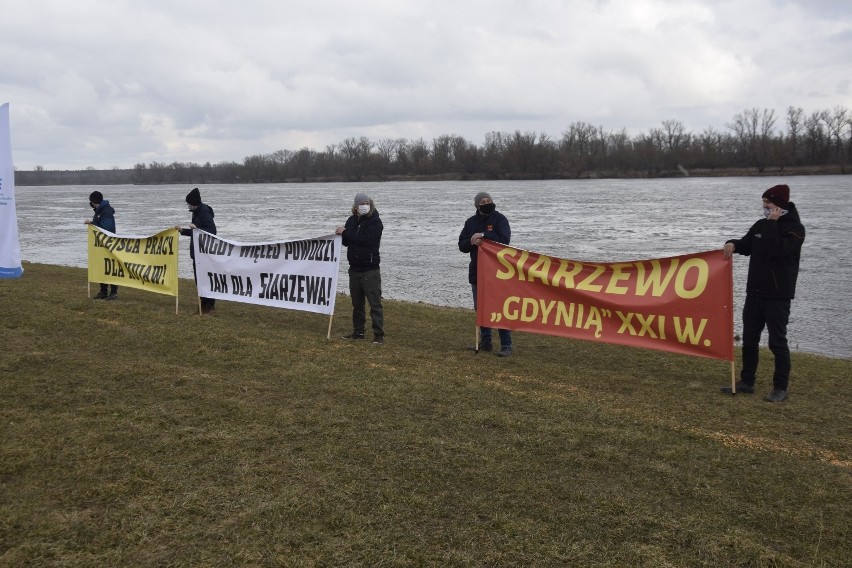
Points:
[(675, 140), (836, 122), (815, 141)]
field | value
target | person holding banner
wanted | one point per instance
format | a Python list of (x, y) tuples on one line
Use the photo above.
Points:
[(103, 218), (202, 218), (774, 246), (362, 235), (489, 224)]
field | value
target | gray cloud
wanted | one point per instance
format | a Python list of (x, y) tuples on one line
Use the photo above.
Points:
[(96, 83)]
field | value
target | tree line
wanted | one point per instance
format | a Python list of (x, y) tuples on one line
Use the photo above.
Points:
[(755, 141)]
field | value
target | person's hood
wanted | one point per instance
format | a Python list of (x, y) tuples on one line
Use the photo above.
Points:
[(792, 214)]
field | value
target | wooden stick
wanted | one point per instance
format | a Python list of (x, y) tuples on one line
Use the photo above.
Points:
[(733, 379), (330, 318), (89, 290), (176, 305), (476, 338), (199, 306)]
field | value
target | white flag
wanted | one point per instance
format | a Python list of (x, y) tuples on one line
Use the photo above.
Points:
[(10, 247)]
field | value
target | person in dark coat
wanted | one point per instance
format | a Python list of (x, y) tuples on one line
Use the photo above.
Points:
[(489, 224), (773, 245), (362, 235), (103, 218), (202, 218)]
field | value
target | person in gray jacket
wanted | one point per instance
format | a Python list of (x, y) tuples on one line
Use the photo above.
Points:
[(362, 235)]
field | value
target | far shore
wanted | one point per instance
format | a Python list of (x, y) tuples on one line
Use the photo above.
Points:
[(91, 177)]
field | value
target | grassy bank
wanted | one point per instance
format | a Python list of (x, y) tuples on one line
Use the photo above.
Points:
[(131, 436)]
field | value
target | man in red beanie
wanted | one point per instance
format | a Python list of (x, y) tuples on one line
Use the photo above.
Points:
[(774, 245)]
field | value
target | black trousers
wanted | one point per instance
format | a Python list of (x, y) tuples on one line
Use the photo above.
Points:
[(772, 314), (206, 303), (113, 289), (367, 286)]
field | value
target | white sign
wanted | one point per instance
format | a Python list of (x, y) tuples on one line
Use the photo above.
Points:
[(10, 248), (298, 275)]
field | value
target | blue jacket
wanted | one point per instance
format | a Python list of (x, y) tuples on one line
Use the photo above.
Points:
[(362, 236), (496, 228), (773, 248), (104, 216)]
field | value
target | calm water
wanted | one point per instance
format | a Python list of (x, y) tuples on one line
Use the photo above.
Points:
[(593, 220)]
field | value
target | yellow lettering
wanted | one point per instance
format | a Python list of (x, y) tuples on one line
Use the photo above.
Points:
[(521, 262), (562, 272), (653, 279), (565, 315), (546, 309), (510, 269), (687, 333), (617, 276), (587, 283), (595, 321), (539, 270), (529, 310), (508, 312), (701, 282)]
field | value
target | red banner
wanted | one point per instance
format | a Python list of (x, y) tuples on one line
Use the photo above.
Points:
[(682, 304)]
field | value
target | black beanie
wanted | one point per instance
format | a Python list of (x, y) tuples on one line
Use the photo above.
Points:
[(194, 197), (96, 197)]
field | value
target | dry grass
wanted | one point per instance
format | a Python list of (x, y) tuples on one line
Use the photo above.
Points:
[(131, 436)]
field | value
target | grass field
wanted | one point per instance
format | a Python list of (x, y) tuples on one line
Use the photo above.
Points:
[(132, 436)]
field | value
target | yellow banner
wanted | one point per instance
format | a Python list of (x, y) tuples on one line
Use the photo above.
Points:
[(148, 263)]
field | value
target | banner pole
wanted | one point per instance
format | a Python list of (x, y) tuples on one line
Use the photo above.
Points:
[(176, 305), (475, 338), (330, 319), (731, 323), (89, 290), (199, 306)]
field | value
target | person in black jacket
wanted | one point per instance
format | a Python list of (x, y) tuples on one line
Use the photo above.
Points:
[(489, 224), (774, 245), (362, 235), (202, 218), (104, 218)]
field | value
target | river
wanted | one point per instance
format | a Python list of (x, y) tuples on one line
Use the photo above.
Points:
[(590, 220)]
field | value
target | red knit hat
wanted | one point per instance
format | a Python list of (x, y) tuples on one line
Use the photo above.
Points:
[(778, 194)]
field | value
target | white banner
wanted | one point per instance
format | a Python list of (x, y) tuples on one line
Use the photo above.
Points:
[(10, 247), (298, 275)]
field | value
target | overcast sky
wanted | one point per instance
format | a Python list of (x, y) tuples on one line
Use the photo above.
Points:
[(113, 83)]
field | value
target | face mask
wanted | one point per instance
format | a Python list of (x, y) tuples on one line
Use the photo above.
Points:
[(487, 209), (363, 209), (767, 211)]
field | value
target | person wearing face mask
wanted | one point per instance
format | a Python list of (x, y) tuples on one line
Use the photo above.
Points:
[(202, 218), (104, 218), (362, 235), (489, 224), (773, 245)]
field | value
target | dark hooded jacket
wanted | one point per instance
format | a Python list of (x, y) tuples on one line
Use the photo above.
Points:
[(362, 236), (104, 216), (495, 227), (774, 248), (202, 217)]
